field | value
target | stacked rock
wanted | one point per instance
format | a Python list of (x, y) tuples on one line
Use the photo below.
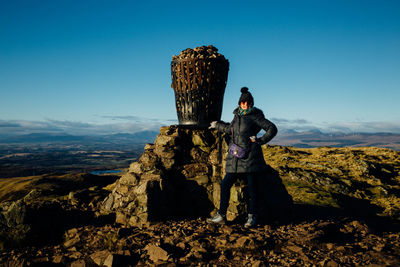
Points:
[(178, 175), (199, 79), (201, 52)]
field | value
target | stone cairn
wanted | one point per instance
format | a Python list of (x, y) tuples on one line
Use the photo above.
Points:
[(199, 79), (177, 176)]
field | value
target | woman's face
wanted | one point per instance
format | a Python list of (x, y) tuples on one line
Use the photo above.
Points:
[(244, 105)]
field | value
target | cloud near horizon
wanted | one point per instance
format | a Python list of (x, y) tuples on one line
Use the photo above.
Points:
[(20, 127), (290, 122), (369, 127), (133, 124)]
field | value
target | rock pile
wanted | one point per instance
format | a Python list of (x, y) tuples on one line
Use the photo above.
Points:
[(201, 52), (180, 175), (174, 176)]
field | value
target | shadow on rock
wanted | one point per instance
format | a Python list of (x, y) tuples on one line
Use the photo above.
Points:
[(190, 200), (275, 203), (377, 224), (41, 223)]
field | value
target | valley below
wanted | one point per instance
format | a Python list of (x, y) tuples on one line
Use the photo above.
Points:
[(18, 160)]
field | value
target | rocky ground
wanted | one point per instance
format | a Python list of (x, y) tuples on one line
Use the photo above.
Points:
[(329, 242), (74, 233)]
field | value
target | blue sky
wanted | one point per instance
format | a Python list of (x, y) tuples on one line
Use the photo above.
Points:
[(104, 66)]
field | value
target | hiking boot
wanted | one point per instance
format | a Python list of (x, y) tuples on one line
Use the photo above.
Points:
[(217, 218), (251, 221)]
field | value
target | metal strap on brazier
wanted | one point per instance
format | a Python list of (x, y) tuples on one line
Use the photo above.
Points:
[(199, 86)]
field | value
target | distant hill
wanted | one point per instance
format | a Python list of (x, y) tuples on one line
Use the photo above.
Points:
[(307, 139), (139, 137), (40, 138), (337, 139)]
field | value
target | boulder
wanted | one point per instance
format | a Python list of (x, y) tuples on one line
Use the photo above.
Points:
[(156, 253), (37, 223)]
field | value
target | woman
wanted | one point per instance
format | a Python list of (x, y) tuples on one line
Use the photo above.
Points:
[(245, 158)]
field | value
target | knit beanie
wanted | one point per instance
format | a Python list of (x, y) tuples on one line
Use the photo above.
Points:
[(246, 97)]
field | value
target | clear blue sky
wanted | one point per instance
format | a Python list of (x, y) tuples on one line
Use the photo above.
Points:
[(329, 64)]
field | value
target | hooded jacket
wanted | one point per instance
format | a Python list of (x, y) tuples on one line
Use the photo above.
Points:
[(245, 126)]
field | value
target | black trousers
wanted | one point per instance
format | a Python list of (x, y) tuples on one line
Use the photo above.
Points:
[(226, 184)]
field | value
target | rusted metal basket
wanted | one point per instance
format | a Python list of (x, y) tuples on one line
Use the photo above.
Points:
[(199, 86)]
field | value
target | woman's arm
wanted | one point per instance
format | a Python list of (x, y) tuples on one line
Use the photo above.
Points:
[(268, 126), (223, 127)]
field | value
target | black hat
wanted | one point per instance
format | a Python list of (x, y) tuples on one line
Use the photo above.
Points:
[(246, 97)]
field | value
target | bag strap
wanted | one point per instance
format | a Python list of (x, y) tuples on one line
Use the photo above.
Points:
[(233, 139), (233, 121)]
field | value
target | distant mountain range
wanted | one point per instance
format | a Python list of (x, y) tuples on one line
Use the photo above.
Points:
[(317, 138), (139, 137), (308, 139)]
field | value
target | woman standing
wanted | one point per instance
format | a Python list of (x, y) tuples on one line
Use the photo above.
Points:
[(245, 158)]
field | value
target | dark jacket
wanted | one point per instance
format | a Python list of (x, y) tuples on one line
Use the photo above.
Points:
[(243, 127)]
